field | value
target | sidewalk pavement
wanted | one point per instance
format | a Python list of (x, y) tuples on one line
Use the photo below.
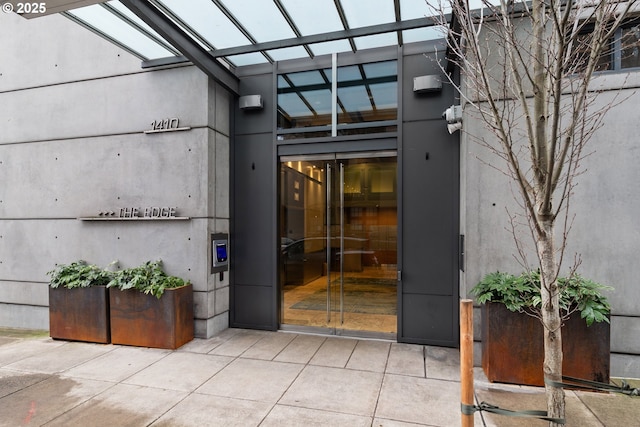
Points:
[(257, 378)]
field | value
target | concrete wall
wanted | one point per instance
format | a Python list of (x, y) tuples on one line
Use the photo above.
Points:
[(73, 109), (605, 231)]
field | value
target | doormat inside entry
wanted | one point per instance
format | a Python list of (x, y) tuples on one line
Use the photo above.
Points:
[(361, 295)]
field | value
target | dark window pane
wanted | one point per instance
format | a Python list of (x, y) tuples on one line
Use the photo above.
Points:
[(582, 50), (368, 92), (304, 99), (630, 46)]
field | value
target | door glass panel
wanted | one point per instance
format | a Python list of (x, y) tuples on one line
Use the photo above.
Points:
[(338, 249)]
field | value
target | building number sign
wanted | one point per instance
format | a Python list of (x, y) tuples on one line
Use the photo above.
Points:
[(166, 125)]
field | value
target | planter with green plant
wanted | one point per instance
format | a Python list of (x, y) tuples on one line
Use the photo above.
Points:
[(79, 303), (150, 308), (512, 333)]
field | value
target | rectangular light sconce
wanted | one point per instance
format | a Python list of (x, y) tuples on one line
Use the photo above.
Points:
[(424, 84), (250, 102)]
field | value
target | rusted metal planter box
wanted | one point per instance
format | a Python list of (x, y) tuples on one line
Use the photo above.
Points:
[(146, 321), (513, 348), (79, 314)]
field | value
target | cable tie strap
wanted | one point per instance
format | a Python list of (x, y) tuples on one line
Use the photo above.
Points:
[(486, 407), (580, 384)]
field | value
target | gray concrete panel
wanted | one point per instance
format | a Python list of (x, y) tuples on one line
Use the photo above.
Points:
[(81, 177), (218, 324), (31, 248), (604, 230), (106, 106), (222, 171), (39, 59), (221, 300), (24, 316), (625, 366), (24, 293), (203, 304), (220, 104), (625, 334)]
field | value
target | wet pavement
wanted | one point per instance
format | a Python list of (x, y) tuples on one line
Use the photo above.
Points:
[(257, 378)]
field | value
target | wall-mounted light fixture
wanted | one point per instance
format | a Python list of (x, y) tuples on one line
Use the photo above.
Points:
[(426, 84), (453, 116), (250, 102)]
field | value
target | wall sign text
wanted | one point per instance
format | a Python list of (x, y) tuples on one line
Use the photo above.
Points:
[(166, 125), (137, 213)]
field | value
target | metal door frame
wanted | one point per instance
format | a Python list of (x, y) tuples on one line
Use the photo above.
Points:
[(335, 157)]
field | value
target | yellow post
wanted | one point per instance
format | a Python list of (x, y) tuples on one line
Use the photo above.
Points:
[(466, 358)]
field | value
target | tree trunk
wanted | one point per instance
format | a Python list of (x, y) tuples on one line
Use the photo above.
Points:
[(551, 321)]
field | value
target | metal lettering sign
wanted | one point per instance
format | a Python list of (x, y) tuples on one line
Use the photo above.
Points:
[(137, 213), (166, 125)]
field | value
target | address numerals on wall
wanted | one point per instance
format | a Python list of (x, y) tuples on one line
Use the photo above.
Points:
[(166, 125)]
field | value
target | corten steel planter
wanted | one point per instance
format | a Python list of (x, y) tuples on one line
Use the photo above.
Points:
[(145, 321), (513, 348), (79, 314)]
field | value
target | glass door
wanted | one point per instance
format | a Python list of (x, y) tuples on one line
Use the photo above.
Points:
[(338, 243)]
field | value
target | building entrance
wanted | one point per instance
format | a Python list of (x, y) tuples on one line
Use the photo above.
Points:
[(338, 250)]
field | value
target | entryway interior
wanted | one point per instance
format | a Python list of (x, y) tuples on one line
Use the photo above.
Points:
[(338, 249)]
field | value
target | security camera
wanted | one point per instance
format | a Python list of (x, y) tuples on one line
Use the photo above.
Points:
[(453, 114), (452, 127)]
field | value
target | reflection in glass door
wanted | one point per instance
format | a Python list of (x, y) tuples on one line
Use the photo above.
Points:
[(338, 243)]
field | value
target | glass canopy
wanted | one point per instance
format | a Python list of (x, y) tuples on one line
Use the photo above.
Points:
[(227, 24)]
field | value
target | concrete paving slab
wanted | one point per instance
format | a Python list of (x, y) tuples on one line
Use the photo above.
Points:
[(301, 349), (334, 352), (251, 379), (118, 364), (519, 398), (419, 400), (406, 359), (370, 356), (238, 344), (61, 357), (124, 405), (220, 411), (442, 363), (13, 381), (43, 401), (201, 345), (95, 390), (380, 422), (7, 340), (288, 416), (612, 409), (14, 351), (269, 346), (180, 371), (336, 390)]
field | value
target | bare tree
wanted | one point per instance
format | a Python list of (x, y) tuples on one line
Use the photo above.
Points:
[(527, 72)]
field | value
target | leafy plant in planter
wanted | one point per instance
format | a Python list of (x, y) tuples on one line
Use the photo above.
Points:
[(79, 302), (522, 294), (512, 333), (78, 274), (150, 308), (149, 278)]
